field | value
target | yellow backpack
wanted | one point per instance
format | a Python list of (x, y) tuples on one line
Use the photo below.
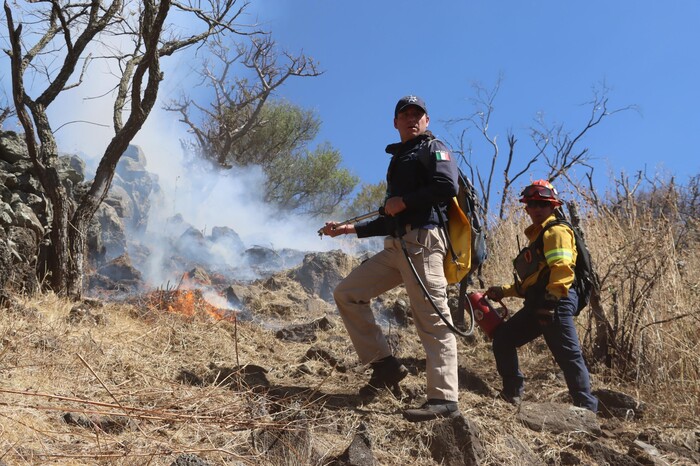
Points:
[(466, 238), (466, 235)]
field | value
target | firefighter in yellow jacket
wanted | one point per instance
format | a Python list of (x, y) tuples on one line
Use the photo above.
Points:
[(544, 277)]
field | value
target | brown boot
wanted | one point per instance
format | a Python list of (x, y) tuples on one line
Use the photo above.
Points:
[(432, 409), (386, 373)]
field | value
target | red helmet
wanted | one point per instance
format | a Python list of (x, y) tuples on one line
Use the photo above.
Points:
[(540, 190)]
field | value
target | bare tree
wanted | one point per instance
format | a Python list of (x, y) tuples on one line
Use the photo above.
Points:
[(484, 107), (555, 147), (562, 150), (222, 129), (6, 110), (53, 48), (243, 124)]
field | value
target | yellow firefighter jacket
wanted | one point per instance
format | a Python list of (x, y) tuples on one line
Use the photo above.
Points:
[(558, 254)]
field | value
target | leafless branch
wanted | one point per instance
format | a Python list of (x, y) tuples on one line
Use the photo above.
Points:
[(238, 100)]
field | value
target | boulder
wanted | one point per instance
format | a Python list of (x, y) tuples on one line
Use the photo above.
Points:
[(24, 244), (120, 269), (72, 168), (25, 217), (359, 452), (5, 261), (111, 231), (617, 404), (228, 238), (321, 272), (456, 441), (12, 147), (558, 418), (119, 198)]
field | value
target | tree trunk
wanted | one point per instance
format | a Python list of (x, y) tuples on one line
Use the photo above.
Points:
[(601, 342)]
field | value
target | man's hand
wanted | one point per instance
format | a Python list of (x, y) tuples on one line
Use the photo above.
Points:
[(495, 293), (334, 229), (394, 205), (545, 313)]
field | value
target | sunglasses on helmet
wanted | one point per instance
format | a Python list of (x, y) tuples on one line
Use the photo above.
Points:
[(541, 191)]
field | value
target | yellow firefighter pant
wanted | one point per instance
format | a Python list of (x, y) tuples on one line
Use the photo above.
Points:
[(386, 270)]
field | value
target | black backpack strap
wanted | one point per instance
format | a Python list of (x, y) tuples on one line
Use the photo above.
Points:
[(539, 241)]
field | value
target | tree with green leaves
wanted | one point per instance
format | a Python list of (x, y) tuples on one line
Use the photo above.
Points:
[(310, 182), (244, 125), (369, 198)]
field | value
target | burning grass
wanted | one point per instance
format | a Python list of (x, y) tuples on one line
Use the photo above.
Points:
[(186, 302)]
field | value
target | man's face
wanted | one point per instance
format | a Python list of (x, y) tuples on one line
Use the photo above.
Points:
[(411, 122), (539, 211)]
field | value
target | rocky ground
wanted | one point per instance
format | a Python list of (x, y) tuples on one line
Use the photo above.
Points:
[(170, 378)]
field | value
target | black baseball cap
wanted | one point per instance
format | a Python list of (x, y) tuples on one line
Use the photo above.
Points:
[(410, 100)]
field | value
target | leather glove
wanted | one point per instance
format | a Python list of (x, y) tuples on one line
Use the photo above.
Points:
[(545, 313), (495, 293), (544, 316)]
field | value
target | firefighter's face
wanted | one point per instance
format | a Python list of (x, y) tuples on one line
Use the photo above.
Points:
[(539, 211), (411, 122)]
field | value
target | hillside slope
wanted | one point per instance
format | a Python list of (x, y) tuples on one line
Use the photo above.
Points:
[(140, 383)]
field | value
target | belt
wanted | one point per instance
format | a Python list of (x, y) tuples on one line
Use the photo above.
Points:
[(410, 227)]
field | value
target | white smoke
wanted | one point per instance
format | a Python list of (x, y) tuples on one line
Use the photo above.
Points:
[(234, 199)]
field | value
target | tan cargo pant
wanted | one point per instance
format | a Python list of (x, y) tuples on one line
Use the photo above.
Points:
[(386, 270)]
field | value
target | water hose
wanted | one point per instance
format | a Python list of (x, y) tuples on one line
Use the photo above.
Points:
[(449, 324)]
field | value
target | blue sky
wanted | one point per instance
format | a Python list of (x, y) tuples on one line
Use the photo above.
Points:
[(550, 54)]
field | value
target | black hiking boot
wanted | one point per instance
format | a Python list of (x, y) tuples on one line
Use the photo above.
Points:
[(432, 409), (386, 373), (514, 400)]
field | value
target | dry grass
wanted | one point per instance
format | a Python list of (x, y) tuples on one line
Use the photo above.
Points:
[(127, 369), (650, 296)]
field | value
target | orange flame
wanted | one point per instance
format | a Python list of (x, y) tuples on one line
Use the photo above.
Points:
[(188, 303)]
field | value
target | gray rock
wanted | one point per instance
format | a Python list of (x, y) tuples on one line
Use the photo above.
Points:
[(26, 218), (558, 418), (135, 153), (321, 272), (72, 168), (12, 147), (119, 198), (359, 452), (601, 454), (646, 454), (456, 442), (189, 459), (112, 231), (5, 193), (24, 243), (130, 169), (120, 269), (617, 404), (5, 266), (7, 215), (228, 238)]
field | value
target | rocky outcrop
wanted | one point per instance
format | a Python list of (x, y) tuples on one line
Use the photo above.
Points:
[(25, 213), (118, 231)]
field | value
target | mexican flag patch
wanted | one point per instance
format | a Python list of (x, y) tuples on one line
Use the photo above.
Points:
[(442, 155)]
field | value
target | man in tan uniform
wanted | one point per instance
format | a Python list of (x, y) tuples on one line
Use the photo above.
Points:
[(421, 179)]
